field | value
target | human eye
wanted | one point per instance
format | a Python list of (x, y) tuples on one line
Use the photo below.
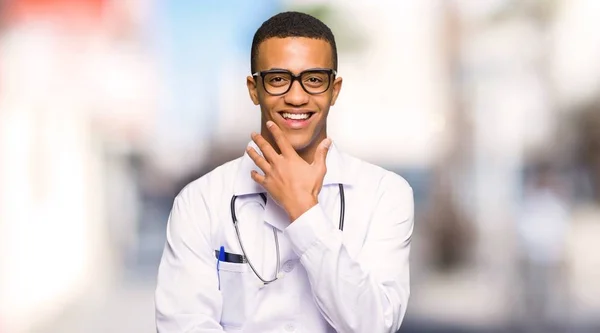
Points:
[(277, 79), (315, 79)]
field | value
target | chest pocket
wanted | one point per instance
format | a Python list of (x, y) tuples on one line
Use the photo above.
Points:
[(238, 291)]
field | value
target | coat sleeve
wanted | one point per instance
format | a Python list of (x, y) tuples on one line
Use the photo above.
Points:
[(187, 298), (368, 293)]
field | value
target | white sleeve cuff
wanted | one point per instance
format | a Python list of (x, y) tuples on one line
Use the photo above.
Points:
[(308, 229)]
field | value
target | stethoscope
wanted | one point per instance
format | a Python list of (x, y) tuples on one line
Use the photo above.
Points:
[(264, 197)]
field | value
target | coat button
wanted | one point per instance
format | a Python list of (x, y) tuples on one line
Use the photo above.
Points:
[(288, 266), (290, 327)]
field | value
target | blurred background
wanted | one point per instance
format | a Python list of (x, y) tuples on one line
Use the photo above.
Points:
[(489, 108)]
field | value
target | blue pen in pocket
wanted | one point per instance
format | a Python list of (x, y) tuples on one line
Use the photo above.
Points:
[(221, 258)]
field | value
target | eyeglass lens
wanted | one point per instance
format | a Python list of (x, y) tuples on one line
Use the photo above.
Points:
[(314, 82)]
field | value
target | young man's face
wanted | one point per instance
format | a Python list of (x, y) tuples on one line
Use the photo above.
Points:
[(288, 109)]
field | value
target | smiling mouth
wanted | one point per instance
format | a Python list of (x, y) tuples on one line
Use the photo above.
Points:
[(296, 116)]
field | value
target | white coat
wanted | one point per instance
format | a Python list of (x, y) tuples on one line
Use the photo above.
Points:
[(355, 280)]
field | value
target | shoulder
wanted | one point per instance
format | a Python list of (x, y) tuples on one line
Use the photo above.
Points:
[(193, 210), (382, 192)]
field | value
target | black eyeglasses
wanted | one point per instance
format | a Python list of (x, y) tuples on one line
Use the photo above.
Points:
[(279, 81)]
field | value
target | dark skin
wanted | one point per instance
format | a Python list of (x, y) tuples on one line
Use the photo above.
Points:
[(294, 159)]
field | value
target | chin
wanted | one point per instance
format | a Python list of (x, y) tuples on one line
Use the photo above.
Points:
[(299, 143)]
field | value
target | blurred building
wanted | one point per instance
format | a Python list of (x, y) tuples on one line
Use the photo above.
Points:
[(66, 100)]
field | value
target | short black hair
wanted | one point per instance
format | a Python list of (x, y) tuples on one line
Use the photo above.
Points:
[(292, 24)]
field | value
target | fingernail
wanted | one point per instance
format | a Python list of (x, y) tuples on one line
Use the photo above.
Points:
[(327, 143), (270, 123)]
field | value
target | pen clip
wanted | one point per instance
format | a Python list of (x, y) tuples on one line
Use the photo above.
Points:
[(222, 253)]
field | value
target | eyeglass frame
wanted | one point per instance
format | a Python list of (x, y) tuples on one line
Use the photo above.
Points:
[(329, 71)]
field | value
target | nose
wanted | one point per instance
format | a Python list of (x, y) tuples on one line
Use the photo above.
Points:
[(296, 96)]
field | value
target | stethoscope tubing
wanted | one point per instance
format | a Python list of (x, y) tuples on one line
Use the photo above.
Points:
[(263, 196)]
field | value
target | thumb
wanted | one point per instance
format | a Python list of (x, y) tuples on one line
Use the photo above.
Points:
[(321, 153)]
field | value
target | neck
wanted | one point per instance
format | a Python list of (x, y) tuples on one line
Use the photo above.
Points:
[(306, 153)]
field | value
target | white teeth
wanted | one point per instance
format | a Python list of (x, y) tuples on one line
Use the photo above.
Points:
[(295, 116)]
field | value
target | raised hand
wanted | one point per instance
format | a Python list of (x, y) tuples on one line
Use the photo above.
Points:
[(292, 182)]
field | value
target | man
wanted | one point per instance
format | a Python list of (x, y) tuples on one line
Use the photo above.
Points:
[(294, 235)]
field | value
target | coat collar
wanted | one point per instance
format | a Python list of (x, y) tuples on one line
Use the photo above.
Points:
[(244, 184)]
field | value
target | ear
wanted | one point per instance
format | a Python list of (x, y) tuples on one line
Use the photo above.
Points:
[(337, 87), (252, 89)]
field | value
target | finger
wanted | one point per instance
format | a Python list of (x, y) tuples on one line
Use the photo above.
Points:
[(259, 160), (265, 147), (282, 142), (321, 153), (257, 177)]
